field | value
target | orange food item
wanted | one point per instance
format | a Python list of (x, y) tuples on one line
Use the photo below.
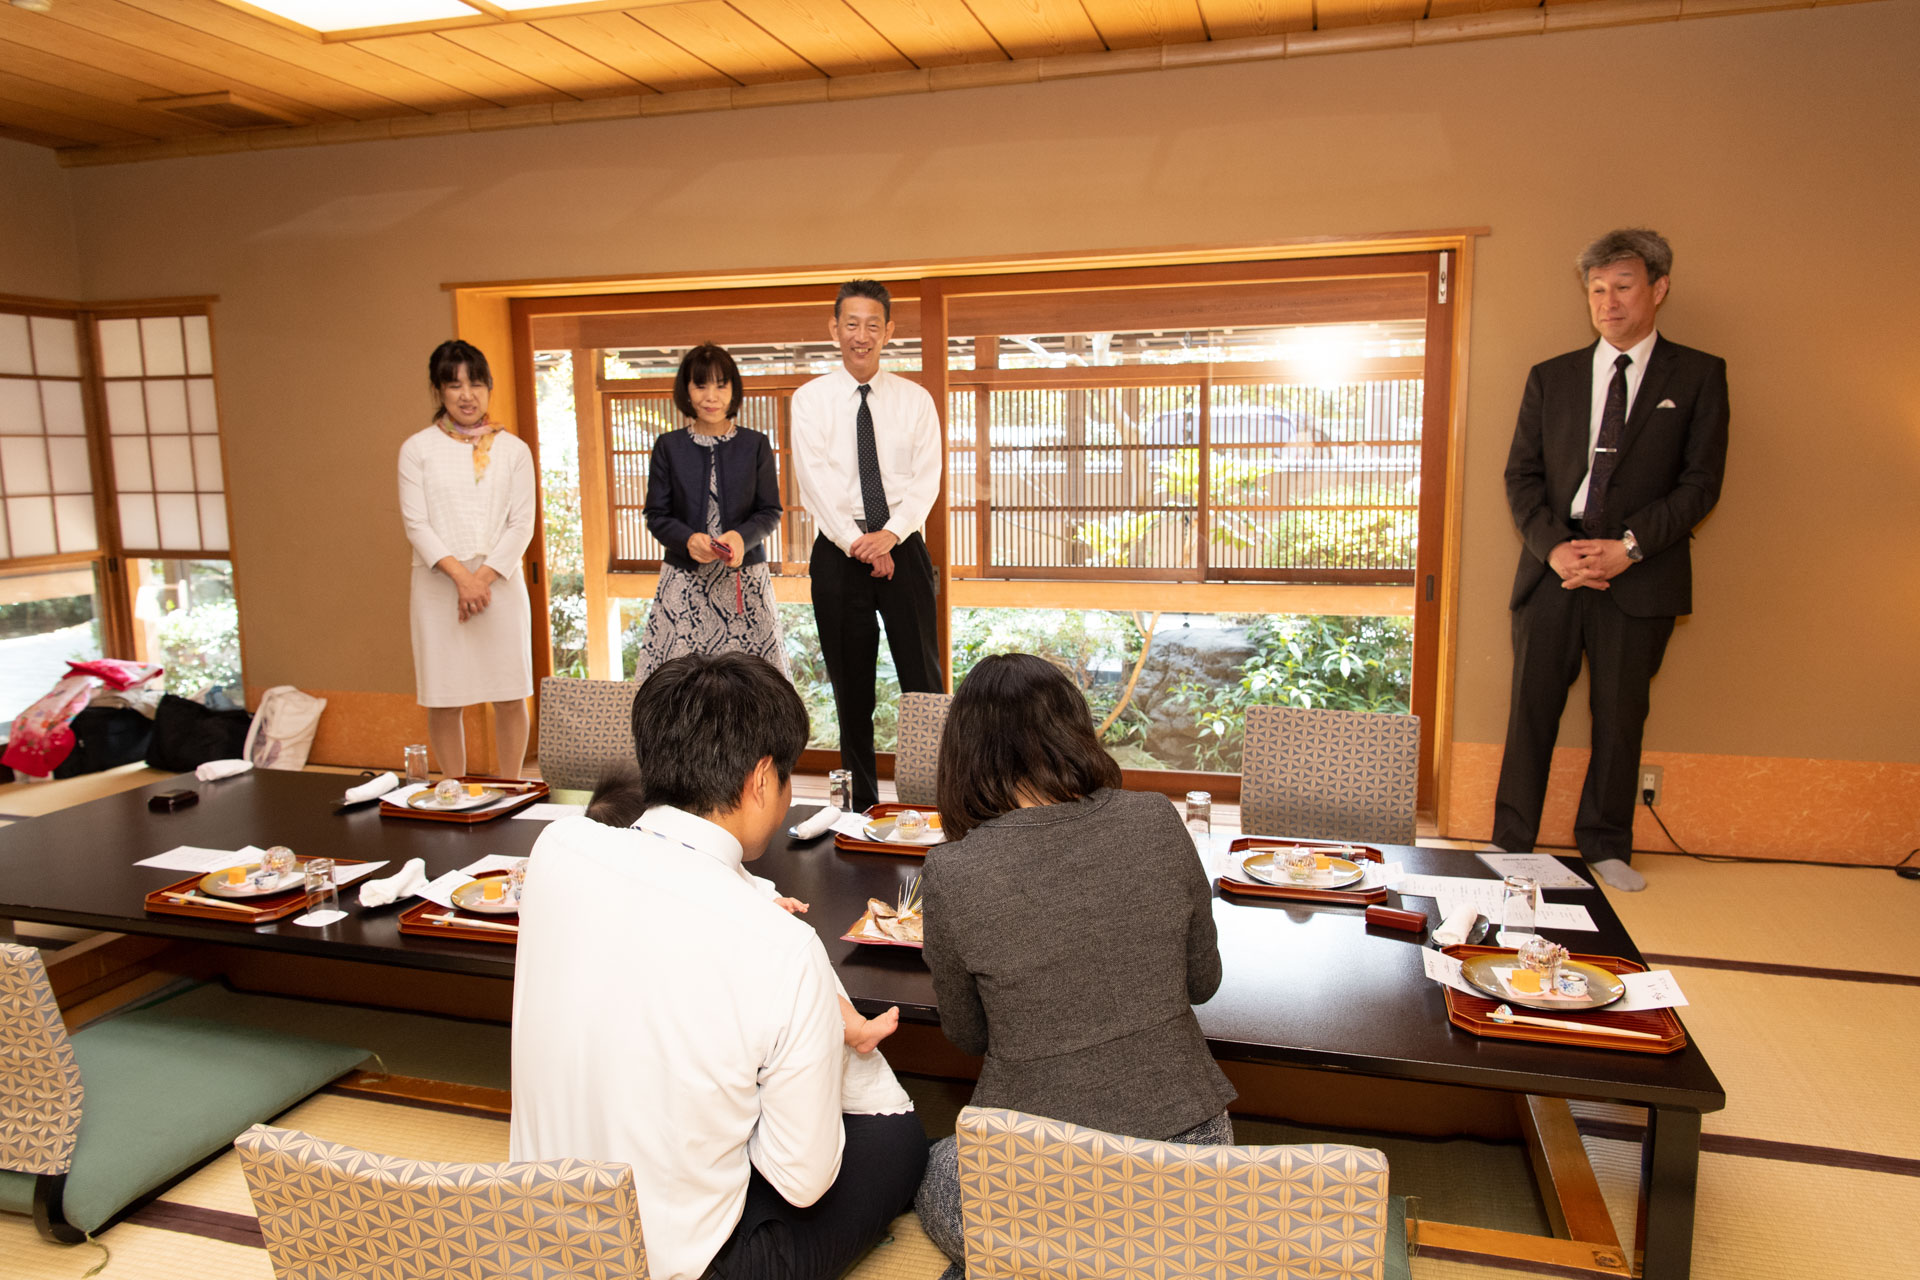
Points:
[(1524, 980), (236, 875), (933, 820), (493, 887), (475, 789)]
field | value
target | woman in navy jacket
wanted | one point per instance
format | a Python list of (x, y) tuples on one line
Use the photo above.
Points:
[(712, 499)]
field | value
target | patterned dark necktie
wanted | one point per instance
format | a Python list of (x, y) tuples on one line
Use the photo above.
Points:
[(1613, 424), (873, 494)]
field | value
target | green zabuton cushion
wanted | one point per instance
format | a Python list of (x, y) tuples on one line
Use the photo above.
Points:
[(163, 1093)]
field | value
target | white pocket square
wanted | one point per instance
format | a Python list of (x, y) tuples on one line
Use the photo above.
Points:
[(1666, 404)]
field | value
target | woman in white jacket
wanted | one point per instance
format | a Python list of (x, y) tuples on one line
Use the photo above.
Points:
[(466, 497)]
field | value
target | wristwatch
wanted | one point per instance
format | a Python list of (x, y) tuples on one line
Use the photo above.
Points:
[(1632, 545)]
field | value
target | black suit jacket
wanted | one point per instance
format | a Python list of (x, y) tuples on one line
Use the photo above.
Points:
[(1666, 478)]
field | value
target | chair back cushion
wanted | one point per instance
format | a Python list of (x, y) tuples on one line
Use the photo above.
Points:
[(1330, 775), (330, 1212), (586, 730), (1043, 1198), (917, 757), (39, 1078)]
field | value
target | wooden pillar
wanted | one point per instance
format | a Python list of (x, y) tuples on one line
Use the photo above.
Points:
[(933, 376), (596, 516)]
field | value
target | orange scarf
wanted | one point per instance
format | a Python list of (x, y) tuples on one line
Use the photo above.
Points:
[(480, 435)]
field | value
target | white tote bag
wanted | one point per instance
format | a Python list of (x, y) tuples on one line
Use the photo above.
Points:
[(283, 728)]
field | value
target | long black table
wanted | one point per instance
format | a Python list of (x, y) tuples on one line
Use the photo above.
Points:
[(1305, 986)]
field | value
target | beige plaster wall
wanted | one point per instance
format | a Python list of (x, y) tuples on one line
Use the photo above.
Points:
[(38, 254), (1775, 150)]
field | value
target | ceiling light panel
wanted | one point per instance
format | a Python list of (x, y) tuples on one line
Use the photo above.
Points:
[(347, 15)]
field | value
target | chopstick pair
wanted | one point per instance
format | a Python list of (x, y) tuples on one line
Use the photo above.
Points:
[(471, 923), (203, 900)]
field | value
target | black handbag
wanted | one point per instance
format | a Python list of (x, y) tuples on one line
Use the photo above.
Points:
[(105, 738), (186, 735)]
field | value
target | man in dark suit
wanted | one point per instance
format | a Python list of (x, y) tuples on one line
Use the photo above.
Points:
[(1618, 454)]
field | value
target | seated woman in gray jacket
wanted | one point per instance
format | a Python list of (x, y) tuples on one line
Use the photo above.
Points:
[(1069, 928)]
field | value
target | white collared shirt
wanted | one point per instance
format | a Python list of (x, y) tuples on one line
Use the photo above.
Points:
[(1604, 354), (667, 1016), (826, 452)]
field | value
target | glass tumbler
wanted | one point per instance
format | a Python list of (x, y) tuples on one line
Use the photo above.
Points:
[(322, 893), (416, 763), (1200, 814), (840, 789), (1519, 906)]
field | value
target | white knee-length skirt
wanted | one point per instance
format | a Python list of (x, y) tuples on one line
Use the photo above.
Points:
[(487, 658)]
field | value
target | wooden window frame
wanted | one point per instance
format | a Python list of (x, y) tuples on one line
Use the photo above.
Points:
[(507, 311)]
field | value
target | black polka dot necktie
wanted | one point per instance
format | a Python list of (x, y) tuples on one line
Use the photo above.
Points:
[(873, 493), (1606, 450)]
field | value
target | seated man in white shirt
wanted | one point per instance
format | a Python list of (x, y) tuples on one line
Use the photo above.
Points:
[(669, 1016)]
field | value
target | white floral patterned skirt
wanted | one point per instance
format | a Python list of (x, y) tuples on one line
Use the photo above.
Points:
[(713, 609)]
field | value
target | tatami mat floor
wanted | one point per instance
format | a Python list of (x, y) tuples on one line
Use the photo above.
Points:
[(1817, 1067)]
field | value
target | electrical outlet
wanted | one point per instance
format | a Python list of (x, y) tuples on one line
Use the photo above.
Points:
[(1652, 776)]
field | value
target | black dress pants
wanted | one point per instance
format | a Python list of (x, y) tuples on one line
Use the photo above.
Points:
[(879, 1172), (849, 604), (1551, 632)]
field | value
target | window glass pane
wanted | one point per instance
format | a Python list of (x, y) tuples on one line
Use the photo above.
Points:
[(46, 620), (126, 409), (186, 610), (19, 406), (132, 472), (206, 463), (56, 352), (119, 348), (200, 405), (199, 345), (160, 341), (61, 402), (16, 356), (72, 469), (30, 526), (73, 517), (138, 528), (179, 521), (23, 466), (172, 464), (213, 522), (167, 407)]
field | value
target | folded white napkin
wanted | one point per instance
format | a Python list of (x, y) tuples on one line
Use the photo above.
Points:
[(818, 823), (214, 770), (373, 787), (1454, 929), (411, 879)]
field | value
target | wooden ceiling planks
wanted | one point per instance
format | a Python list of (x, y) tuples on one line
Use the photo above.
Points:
[(142, 123), (1037, 28), (552, 62), (406, 88), (931, 33), (240, 67), (1238, 19), (1141, 24), (719, 34), (827, 34), (482, 77), (1329, 14), (58, 124), (636, 50), (119, 57), (1456, 8), (78, 76)]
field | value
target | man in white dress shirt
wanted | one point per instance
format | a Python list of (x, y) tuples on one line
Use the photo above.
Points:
[(866, 450), (667, 1015)]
